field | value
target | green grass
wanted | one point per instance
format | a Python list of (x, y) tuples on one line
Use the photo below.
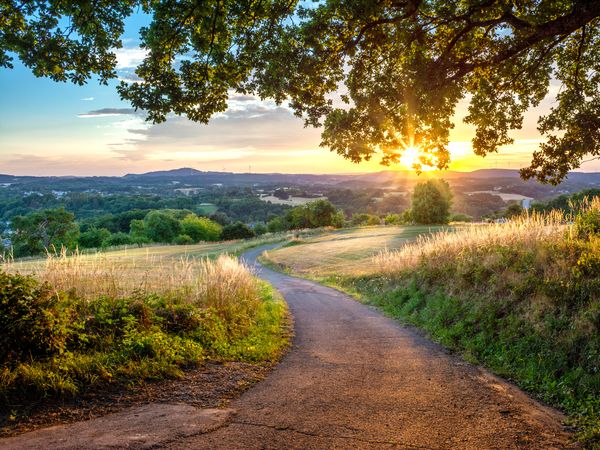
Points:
[(92, 326)]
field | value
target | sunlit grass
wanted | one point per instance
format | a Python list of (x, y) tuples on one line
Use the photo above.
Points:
[(446, 246), (347, 252)]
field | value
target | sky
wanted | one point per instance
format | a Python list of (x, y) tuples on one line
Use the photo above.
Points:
[(49, 128)]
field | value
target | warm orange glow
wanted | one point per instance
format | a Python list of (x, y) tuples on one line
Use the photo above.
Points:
[(411, 157)]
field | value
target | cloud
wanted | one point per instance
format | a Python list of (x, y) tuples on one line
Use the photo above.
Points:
[(128, 58), (242, 98), (257, 129), (87, 99), (107, 112)]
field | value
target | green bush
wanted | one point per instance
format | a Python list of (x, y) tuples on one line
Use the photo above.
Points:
[(183, 239), (118, 239), (237, 230), (587, 223), (31, 319), (200, 228), (461, 218), (57, 345)]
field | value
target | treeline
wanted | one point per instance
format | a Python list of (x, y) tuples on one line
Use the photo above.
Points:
[(36, 232), (237, 204)]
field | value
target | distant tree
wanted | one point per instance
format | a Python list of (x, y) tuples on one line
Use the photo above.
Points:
[(117, 239), (460, 218), (161, 226), (393, 219), (260, 229), (567, 203), (513, 210), (299, 217), (281, 194), (183, 239), (220, 217), (431, 202), (322, 213), (237, 230), (41, 230), (93, 238), (200, 228), (365, 219), (137, 228), (276, 224)]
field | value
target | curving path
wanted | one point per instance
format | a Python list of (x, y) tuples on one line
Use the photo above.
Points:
[(356, 379), (353, 379)]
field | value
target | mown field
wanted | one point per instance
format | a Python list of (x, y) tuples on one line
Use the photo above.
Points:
[(345, 252), (521, 298), (79, 322)]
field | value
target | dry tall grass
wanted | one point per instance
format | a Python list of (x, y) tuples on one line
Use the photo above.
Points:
[(224, 284), (524, 232)]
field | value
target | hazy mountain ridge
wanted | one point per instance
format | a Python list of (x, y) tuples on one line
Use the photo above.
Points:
[(499, 180)]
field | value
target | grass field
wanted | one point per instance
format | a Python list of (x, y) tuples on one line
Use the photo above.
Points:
[(137, 262), (344, 252), (73, 322)]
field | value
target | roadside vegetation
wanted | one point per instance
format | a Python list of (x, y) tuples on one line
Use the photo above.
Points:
[(521, 298), (74, 323)]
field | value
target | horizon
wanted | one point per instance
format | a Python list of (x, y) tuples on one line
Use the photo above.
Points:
[(424, 174)]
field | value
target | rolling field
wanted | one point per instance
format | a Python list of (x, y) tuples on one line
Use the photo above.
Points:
[(133, 267), (345, 252)]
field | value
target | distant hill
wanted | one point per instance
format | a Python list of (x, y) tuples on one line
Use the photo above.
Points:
[(182, 172), (173, 181)]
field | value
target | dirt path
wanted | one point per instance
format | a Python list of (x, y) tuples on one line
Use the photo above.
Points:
[(354, 379)]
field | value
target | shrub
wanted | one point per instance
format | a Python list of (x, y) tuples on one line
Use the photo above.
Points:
[(118, 239), (30, 318), (260, 229), (120, 326), (200, 228), (160, 226), (459, 217), (365, 219), (93, 238), (183, 239), (237, 230)]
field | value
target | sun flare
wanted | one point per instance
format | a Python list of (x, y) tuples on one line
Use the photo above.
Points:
[(410, 156)]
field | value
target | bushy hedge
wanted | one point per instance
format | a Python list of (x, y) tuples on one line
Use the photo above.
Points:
[(53, 343)]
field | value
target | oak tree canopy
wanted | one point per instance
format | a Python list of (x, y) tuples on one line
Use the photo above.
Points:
[(402, 66)]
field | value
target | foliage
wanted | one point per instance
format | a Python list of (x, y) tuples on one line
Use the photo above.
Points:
[(58, 345), (565, 202), (431, 202), (365, 219), (117, 239), (461, 218), (183, 239), (201, 228), (276, 224), (93, 238), (500, 55), (513, 210), (237, 230), (315, 214), (32, 324), (260, 229), (39, 231), (161, 226)]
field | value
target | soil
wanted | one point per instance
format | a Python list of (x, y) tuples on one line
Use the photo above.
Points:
[(211, 385)]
